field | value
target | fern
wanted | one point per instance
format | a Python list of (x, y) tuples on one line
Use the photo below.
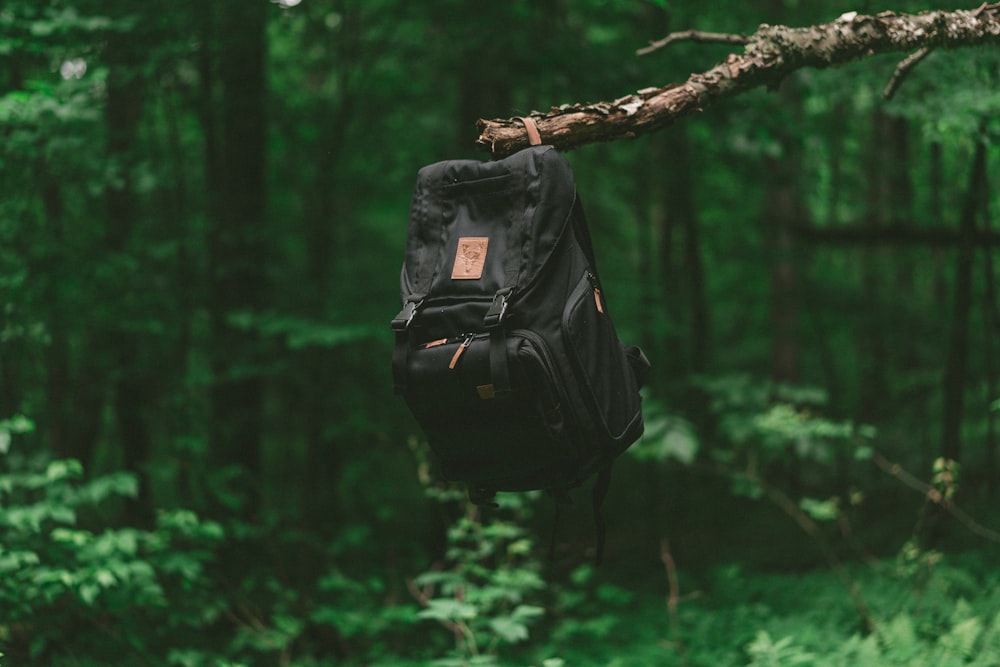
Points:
[(956, 646), (765, 652), (899, 640), (988, 651)]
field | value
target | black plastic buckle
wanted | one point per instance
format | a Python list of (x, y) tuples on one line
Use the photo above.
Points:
[(495, 315), (405, 317)]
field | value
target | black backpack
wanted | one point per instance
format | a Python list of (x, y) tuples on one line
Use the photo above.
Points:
[(505, 351)]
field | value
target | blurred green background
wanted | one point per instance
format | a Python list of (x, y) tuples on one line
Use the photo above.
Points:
[(203, 210)]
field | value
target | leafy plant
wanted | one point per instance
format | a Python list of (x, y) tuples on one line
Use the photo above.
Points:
[(71, 583), (485, 593)]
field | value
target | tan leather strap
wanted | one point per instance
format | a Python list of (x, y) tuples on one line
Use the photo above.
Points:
[(534, 137)]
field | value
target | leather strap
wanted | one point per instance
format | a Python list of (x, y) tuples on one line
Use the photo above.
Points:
[(534, 137)]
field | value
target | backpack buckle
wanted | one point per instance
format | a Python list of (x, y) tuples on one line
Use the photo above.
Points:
[(405, 317), (498, 309)]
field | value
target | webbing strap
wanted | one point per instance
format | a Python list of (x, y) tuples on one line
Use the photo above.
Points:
[(401, 325), (400, 352), (499, 370), (598, 494)]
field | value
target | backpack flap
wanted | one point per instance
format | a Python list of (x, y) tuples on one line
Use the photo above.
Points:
[(478, 227)]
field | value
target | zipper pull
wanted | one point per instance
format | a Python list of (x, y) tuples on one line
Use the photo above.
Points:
[(461, 348), (435, 343), (597, 291)]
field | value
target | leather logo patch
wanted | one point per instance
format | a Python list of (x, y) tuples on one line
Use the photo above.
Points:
[(470, 258)]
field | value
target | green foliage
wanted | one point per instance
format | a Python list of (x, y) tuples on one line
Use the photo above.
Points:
[(96, 589), (966, 639), (135, 528), (483, 596), (666, 437), (765, 652)]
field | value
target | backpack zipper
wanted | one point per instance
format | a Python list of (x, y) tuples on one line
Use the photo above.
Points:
[(597, 291), (466, 342)]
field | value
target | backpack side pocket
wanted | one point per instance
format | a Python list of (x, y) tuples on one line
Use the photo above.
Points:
[(603, 370)]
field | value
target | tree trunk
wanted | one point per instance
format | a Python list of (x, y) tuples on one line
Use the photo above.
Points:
[(936, 186), (131, 393), (663, 226), (958, 348), (783, 211), (873, 350), (682, 210), (991, 310), (73, 387), (236, 165)]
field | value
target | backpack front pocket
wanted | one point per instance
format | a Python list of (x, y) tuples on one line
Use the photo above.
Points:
[(477, 436)]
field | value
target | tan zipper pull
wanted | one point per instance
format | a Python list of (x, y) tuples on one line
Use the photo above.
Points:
[(597, 291), (458, 353), (435, 343)]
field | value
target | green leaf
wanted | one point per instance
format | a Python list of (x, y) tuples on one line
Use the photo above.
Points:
[(88, 593), (821, 510), (448, 610), (64, 469), (509, 629)]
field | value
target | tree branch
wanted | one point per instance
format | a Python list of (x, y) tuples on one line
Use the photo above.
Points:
[(935, 496), (772, 53), (693, 36), (903, 70)]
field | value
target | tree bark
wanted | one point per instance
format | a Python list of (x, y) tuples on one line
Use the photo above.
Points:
[(771, 54)]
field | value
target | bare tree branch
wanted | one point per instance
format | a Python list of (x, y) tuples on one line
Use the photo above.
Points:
[(772, 53), (903, 70), (935, 496), (693, 36)]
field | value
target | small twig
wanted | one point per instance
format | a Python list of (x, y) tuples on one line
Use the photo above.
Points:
[(673, 597), (935, 496), (693, 36), (848, 534), (813, 530), (423, 598), (903, 70)]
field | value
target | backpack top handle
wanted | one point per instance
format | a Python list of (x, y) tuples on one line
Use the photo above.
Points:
[(534, 137)]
